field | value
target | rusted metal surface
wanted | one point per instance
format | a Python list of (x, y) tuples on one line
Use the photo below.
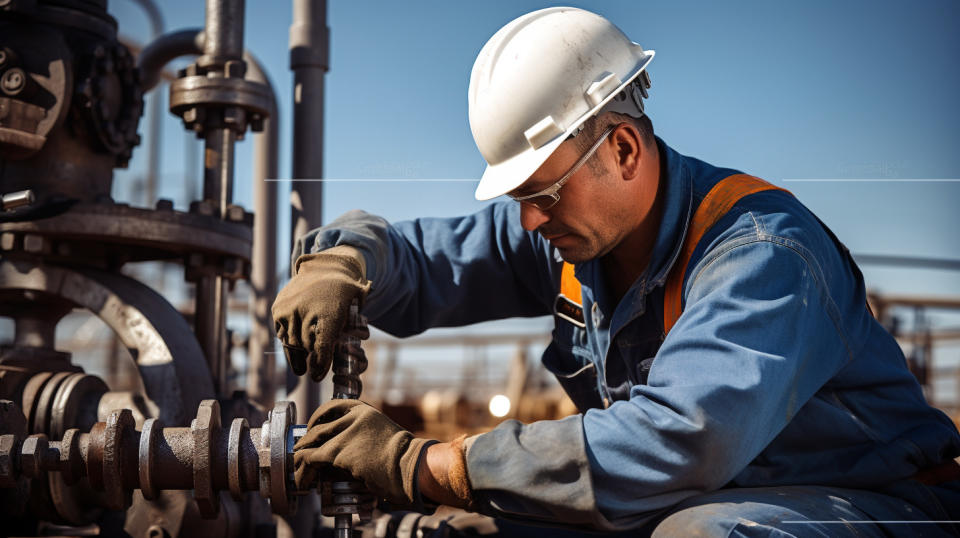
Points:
[(116, 458), (70, 102), (155, 332), (205, 430), (143, 234)]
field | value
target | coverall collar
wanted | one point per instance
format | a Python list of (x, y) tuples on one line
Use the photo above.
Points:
[(676, 183)]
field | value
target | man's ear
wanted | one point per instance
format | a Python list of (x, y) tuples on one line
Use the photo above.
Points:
[(629, 148)]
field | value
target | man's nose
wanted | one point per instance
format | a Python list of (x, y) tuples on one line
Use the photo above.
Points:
[(532, 218)]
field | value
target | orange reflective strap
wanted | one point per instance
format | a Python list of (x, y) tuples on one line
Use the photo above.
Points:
[(569, 304), (721, 199), (569, 285)]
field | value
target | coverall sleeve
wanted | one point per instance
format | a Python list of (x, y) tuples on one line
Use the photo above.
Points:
[(444, 272), (758, 337)]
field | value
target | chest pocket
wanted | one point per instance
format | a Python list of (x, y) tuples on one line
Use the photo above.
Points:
[(568, 360)]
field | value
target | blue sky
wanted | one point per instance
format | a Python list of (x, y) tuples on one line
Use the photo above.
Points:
[(784, 90)]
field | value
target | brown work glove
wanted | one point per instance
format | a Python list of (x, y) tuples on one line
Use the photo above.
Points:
[(357, 438), (311, 311)]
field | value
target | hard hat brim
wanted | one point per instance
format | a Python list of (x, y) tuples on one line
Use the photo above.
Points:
[(503, 177)]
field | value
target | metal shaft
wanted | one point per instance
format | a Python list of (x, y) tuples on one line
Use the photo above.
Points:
[(342, 499), (224, 28), (207, 458), (223, 48)]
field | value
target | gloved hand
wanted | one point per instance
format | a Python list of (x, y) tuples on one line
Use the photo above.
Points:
[(311, 311), (357, 438)]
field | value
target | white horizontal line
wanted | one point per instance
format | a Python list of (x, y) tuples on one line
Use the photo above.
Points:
[(844, 522), (367, 180), (871, 180)]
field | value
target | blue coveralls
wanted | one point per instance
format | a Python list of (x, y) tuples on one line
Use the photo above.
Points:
[(776, 390)]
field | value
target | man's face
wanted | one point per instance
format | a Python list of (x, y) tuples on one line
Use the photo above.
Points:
[(597, 208)]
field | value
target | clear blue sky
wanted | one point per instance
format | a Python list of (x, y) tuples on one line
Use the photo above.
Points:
[(827, 90)]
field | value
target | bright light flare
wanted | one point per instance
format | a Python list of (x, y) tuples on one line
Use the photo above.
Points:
[(499, 405)]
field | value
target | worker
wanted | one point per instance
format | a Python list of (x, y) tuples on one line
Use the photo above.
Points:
[(714, 334)]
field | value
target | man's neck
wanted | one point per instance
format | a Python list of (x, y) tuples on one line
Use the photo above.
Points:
[(623, 265)]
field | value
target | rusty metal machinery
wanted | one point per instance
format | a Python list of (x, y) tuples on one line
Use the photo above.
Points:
[(71, 97), (115, 458), (112, 458)]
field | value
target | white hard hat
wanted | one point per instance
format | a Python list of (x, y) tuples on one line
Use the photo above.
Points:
[(536, 81)]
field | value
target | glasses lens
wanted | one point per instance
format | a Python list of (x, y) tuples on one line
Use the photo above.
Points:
[(542, 203)]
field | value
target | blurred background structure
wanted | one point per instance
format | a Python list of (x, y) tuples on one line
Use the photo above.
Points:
[(313, 110)]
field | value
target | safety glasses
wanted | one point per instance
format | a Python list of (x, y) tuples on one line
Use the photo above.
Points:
[(547, 198)]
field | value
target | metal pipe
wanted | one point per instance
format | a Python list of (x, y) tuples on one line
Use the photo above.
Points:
[(156, 125), (211, 309), (263, 271), (309, 61), (210, 326), (263, 278), (223, 50), (309, 46), (224, 30), (163, 50)]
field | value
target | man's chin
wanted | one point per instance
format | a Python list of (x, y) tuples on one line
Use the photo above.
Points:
[(574, 255)]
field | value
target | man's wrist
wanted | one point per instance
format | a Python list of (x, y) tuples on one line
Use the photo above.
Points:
[(442, 474)]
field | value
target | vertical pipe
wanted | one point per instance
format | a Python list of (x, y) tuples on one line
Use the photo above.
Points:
[(156, 111), (263, 271), (223, 43), (224, 31), (309, 44)]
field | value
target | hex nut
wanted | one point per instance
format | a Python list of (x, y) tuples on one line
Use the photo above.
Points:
[(31, 455), (34, 243), (235, 69), (234, 116), (202, 207), (190, 115), (204, 430), (8, 471), (7, 240), (235, 213)]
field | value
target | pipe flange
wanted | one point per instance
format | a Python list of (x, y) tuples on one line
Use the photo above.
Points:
[(204, 430), (71, 464), (239, 429), (119, 424), (276, 459), (147, 456), (194, 98)]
